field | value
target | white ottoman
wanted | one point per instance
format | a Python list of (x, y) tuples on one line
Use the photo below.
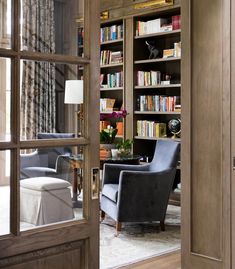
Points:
[(45, 200)]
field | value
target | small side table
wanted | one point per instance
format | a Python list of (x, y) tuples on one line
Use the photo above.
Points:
[(130, 159), (76, 163)]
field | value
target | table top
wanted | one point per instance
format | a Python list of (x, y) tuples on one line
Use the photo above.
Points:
[(122, 158)]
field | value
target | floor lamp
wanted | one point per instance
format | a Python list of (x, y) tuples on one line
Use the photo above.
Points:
[(74, 95)]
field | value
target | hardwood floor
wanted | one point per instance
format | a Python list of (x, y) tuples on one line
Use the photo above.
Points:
[(167, 261)]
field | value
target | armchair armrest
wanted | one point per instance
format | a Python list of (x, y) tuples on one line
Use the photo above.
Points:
[(112, 171), (63, 168), (29, 159)]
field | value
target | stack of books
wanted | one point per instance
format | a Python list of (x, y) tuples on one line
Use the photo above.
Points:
[(151, 129), (110, 33), (148, 78), (110, 57), (106, 104), (156, 103)]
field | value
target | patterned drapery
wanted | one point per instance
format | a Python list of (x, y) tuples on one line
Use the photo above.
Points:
[(38, 106)]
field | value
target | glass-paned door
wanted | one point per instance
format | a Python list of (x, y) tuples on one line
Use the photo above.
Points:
[(49, 133)]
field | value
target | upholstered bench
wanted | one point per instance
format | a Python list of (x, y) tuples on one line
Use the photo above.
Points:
[(45, 200)]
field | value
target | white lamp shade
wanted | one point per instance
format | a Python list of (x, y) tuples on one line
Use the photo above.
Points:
[(73, 92)]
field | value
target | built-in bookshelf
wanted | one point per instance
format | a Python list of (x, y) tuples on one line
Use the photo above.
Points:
[(112, 85), (156, 78)]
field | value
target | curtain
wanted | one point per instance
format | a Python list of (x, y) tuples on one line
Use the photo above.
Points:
[(38, 104)]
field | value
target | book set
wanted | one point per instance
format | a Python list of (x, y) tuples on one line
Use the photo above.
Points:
[(110, 57), (111, 80), (147, 128), (158, 25), (110, 33), (157, 103)]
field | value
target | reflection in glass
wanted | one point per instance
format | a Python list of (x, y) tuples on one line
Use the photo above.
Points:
[(5, 99), (5, 24), (51, 181), (4, 192), (43, 108), (53, 26)]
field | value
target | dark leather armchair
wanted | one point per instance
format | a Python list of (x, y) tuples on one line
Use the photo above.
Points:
[(139, 193), (51, 162)]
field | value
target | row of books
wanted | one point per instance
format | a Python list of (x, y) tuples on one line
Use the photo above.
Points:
[(145, 78), (106, 104), (110, 33), (110, 57), (158, 103), (151, 129), (158, 25), (111, 80)]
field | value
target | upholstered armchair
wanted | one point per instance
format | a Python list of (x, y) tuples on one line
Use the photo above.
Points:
[(139, 193), (51, 162)]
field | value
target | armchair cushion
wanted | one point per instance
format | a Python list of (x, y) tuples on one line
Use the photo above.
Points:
[(111, 191), (36, 171)]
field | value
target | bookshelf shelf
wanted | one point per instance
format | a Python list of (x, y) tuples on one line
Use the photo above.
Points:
[(167, 33), (111, 65), (158, 86), (110, 42), (158, 60), (112, 89), (156, 138), (157, 113)]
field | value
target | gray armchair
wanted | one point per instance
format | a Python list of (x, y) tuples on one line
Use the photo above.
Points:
[(139, 193), (51, 162)]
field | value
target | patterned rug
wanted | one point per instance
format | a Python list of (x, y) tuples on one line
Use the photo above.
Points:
[(138, 241)]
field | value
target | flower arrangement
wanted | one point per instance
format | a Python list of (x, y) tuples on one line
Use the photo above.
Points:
[(113, 115), (107, 136), (124, 147)]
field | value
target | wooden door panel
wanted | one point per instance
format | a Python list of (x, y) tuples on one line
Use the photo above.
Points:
[(70, 255), (205, 139)]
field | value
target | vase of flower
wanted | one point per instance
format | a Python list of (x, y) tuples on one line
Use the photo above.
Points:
[(125, 147)]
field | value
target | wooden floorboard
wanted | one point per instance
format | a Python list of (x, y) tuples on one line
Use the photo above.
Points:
[(168, 261)]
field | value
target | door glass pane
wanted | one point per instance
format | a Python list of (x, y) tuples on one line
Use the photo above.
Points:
[(5, 24), (52, 26), (51, 185), (5, 192), (51, 97), (5, 99)]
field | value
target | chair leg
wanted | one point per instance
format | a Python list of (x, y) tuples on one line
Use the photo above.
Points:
[(118, 227), (162, 225), (102, 215)]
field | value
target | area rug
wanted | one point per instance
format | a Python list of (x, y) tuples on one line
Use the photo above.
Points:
[(138, 241)]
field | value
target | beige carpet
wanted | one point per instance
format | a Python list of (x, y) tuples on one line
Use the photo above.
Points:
[(138, 241)]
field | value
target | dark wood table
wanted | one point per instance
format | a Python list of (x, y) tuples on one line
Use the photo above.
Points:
[(130, 159)]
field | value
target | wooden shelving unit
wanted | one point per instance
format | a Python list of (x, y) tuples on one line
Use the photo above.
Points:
[(167, 66), (116, 92)]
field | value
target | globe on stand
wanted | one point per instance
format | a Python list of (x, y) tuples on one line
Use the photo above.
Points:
[(174, 126)]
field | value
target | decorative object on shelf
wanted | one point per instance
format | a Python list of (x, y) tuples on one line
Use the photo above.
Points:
[(166, 80), (104, 15), (154, 52), (74, 95), (154, 3), (174, 126), (124, 147)]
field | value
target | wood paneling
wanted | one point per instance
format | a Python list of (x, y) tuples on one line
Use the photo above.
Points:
[(125, 8), (205, 136)]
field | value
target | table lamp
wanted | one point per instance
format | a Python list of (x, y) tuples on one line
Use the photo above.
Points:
[(74, 95)]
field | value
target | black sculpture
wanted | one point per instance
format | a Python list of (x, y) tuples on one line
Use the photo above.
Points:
[(154, 52)]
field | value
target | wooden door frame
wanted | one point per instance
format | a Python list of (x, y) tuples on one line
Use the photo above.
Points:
[(190, 258), (82, 234)]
